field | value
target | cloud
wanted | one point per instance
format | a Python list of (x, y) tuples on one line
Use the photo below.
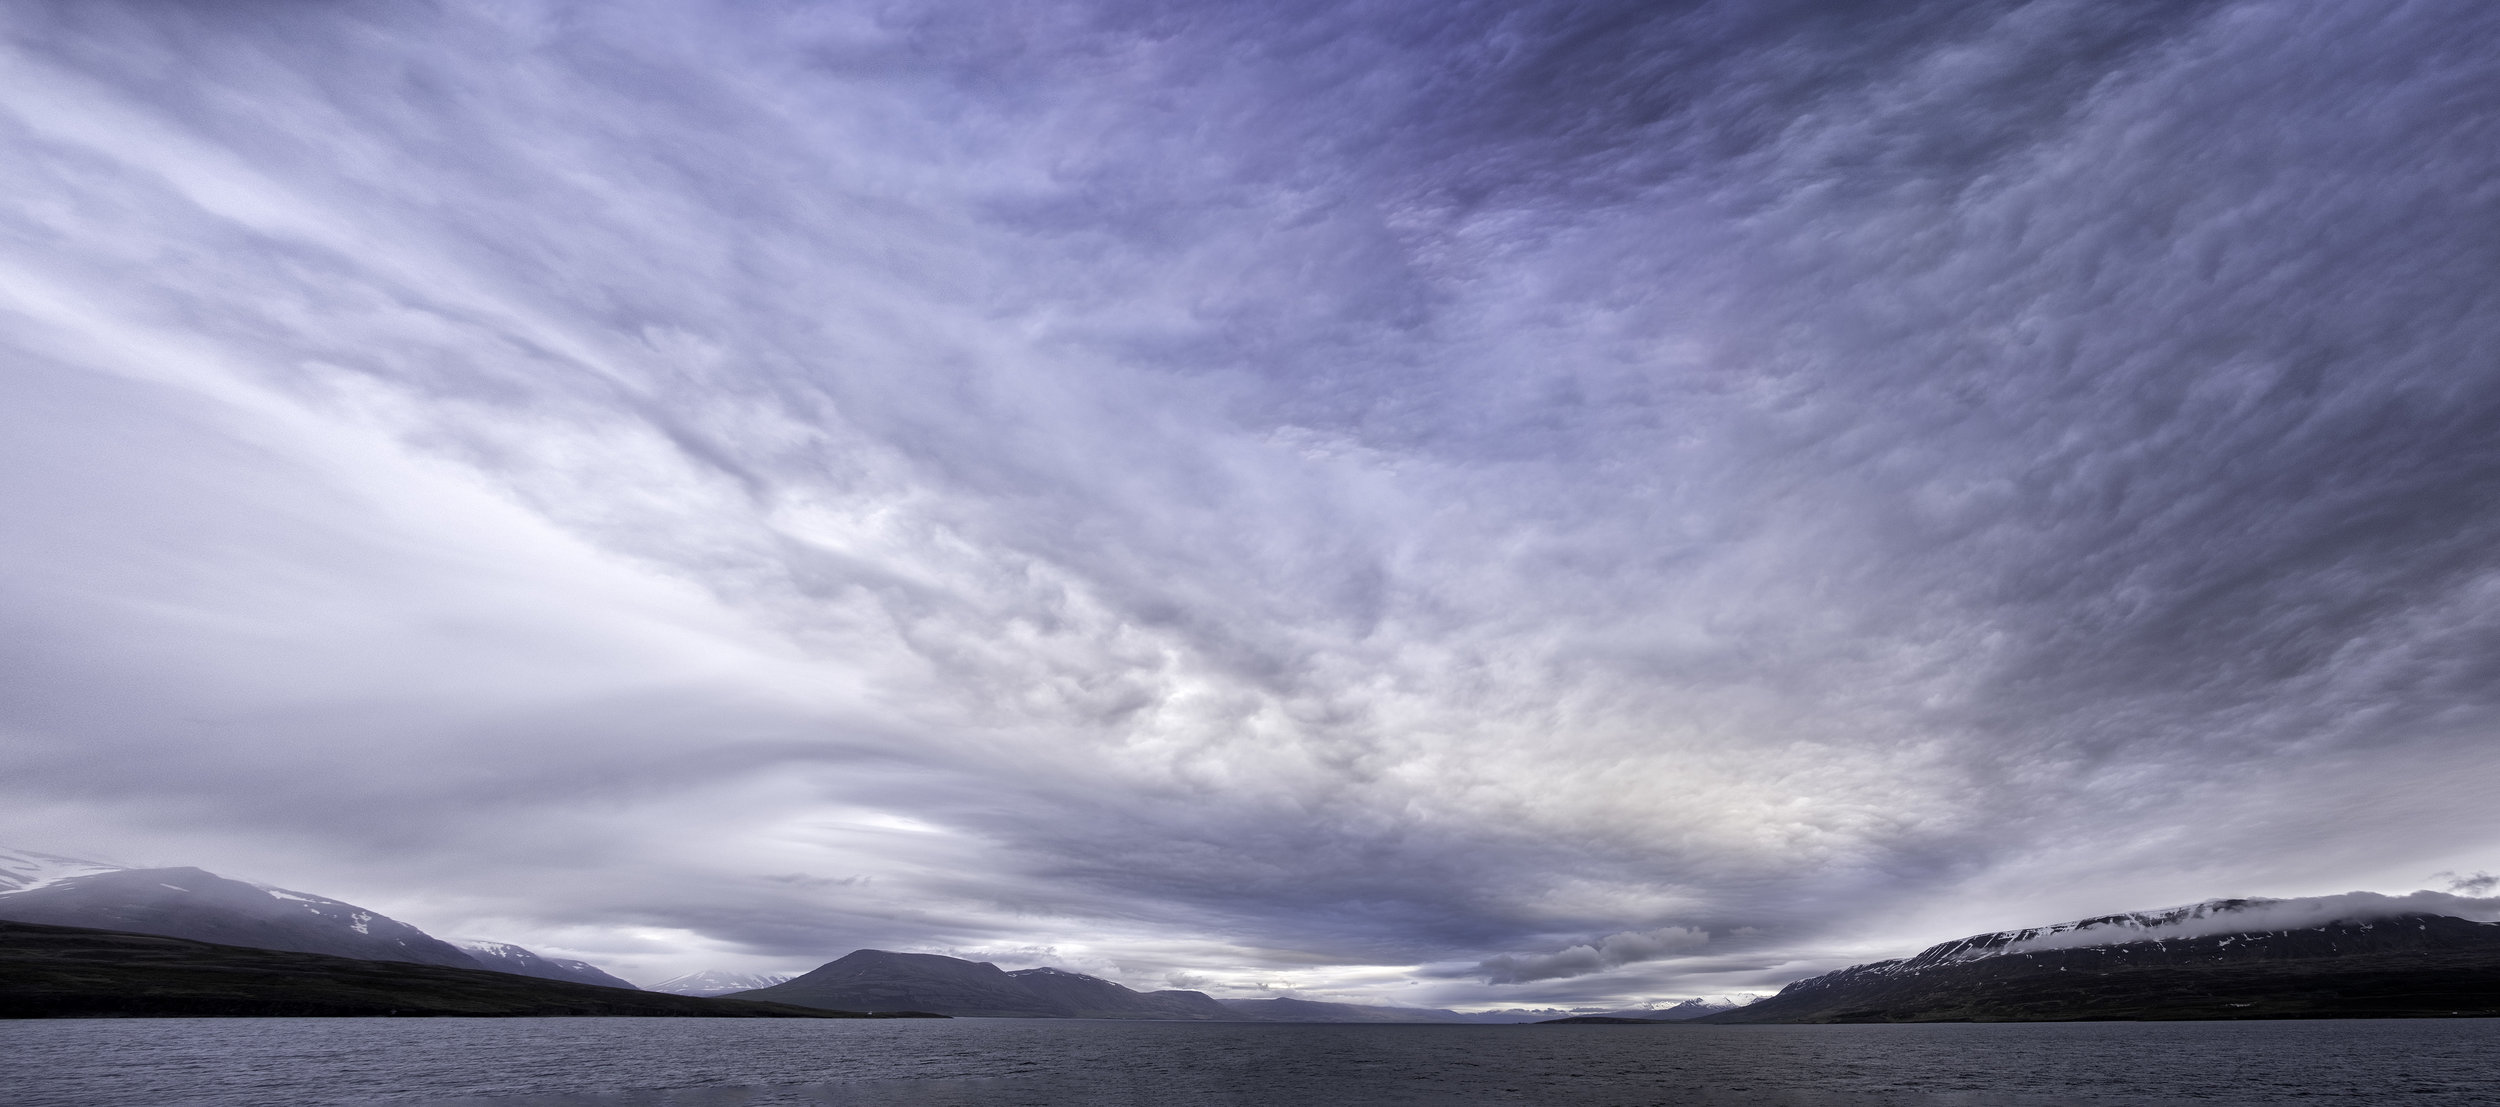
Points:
[(1610, 952), (2473, 885), (1287, 494)]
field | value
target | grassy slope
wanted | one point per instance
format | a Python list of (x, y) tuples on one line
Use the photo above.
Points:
[(62, 971)]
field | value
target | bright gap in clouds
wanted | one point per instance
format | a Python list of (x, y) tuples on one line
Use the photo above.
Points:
[(1558, 504)]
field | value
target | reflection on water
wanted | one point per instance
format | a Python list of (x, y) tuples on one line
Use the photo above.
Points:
[(1021, 1063)]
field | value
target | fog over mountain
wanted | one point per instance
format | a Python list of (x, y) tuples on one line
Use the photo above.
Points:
[(713, 982), (1440, 504)]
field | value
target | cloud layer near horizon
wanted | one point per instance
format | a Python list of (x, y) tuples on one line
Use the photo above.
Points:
[(1388, 500)]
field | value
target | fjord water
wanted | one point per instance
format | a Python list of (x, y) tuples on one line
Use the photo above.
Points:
[(1040, 1063)]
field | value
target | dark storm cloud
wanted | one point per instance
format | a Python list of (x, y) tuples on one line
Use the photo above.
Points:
[(1554, 502)]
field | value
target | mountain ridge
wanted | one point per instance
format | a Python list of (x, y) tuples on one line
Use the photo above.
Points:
[(876, 979), (195, 904), (521, 961)]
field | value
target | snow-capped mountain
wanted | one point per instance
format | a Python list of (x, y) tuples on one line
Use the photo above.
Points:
[(2360, 954), (2335, 957), (2213, 917), (506, 957), (204, 907), (715, 982), (1688, 1009)]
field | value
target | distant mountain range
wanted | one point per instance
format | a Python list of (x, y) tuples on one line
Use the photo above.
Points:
[(2352, 956), (879, 980), (204, 907), (1680, 1012), (1311, 1010)]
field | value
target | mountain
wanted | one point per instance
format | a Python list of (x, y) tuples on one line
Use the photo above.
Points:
[(202, 906), (714, 982), (1513, 1015), (1092, 997), (1603, 1020), (1686, 1011), (1681, 1012), (878, 980), (77, 972), (506, 957), (2357, 956)]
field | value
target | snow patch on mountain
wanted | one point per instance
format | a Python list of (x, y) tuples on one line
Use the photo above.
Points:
[(26, 870), (522, 961)]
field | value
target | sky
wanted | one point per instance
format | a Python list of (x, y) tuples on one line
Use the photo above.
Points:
[(1444, 503)]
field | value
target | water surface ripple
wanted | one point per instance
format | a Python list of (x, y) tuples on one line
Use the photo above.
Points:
[(1033, 1063)]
